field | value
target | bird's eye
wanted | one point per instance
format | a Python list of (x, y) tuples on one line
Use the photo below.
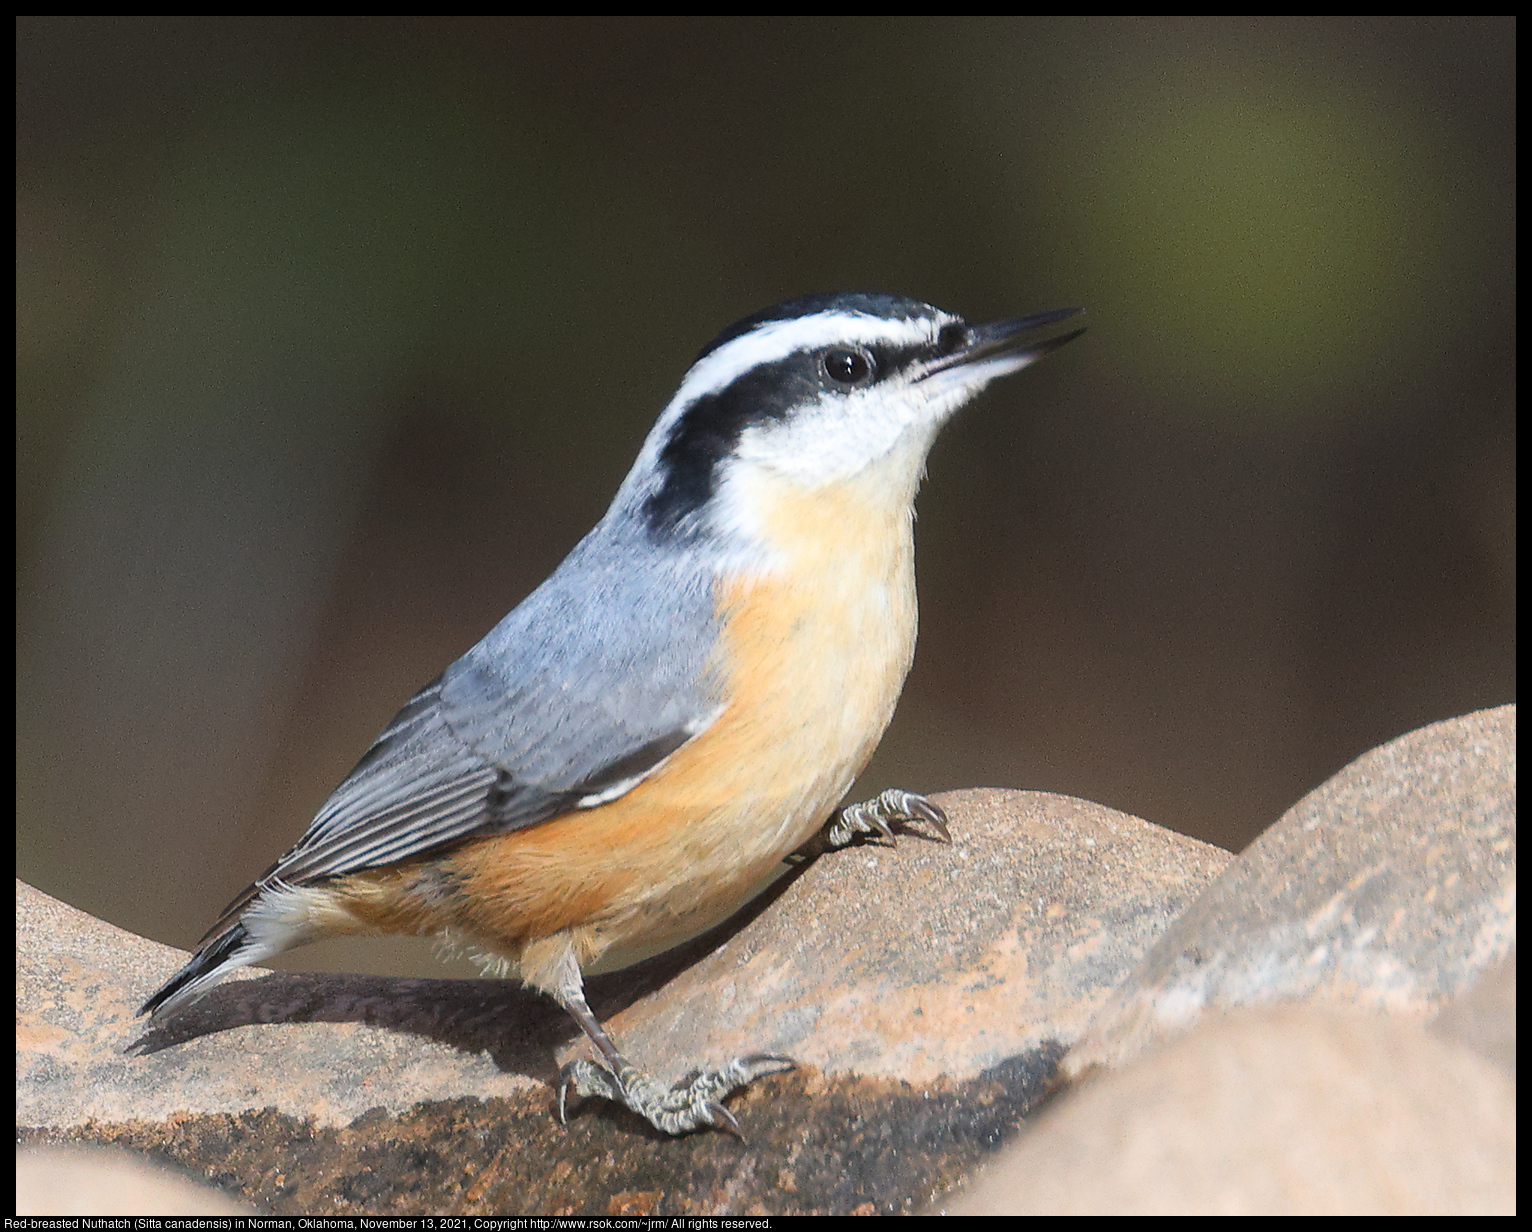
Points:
[(847, 367)]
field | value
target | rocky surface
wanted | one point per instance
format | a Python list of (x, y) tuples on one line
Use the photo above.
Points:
[(1329, 1029), (1325, 1024), (1297, 1110), (927, 991), (1391, 887)]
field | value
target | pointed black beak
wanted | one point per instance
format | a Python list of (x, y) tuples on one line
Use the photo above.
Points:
[(1007, 338)]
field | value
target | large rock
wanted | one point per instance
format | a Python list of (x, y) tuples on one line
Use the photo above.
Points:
[(928, 991)]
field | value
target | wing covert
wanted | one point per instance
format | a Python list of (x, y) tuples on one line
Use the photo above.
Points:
[(569, 702)]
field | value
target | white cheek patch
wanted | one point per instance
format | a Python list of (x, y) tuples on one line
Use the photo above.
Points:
[(767, 343), (842, 434)]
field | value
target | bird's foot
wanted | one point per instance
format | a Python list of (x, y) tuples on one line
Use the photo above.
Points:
[(877, 816), (693, 1103)]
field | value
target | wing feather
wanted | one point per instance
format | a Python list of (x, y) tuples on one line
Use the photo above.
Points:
[(576, 696)]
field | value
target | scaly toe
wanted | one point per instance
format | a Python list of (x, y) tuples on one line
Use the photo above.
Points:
[(875, 816), (586, 1078), (693, 1103)]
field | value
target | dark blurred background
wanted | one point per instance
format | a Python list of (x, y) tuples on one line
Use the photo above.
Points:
[(334, 335)]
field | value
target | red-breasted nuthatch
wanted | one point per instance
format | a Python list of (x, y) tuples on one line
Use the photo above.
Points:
[(629, 755)]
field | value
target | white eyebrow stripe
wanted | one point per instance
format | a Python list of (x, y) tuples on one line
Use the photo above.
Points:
[(776, 340)]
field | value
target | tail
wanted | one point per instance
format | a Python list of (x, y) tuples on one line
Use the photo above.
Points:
[(268, 918), (229, 950)]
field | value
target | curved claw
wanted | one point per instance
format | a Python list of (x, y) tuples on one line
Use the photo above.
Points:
[(932, 814), (692, 1103), (875, 816), (725, 1120), (779, 1064), (569, 1080)]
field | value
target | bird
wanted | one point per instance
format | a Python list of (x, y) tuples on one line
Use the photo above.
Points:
[(633, 751)]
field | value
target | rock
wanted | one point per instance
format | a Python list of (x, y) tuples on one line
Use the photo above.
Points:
[(930, 961), (928, 992), (1280, 1111), (100, 1181), (1330, 1028), (1391, 887), (927, 989)]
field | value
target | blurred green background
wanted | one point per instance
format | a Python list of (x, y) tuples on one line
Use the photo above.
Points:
[(334, 335)]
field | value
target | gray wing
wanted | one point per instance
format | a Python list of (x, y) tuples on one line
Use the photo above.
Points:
[(570, 701)]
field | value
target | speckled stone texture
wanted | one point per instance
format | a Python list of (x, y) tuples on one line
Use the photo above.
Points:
[(1294, 1110), (1325, 1024), (1392, 887), (1330, 1029), (928, 991)]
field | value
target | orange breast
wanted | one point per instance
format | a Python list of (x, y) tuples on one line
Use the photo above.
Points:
[(815, 648)]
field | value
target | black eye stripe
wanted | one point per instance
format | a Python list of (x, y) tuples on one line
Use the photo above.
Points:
[(709, 429)]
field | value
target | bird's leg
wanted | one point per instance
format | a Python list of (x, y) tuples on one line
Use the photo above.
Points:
[(691, 1104), (876, 816)]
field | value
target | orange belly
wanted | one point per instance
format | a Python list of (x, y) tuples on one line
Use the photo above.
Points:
[(813, 672)]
